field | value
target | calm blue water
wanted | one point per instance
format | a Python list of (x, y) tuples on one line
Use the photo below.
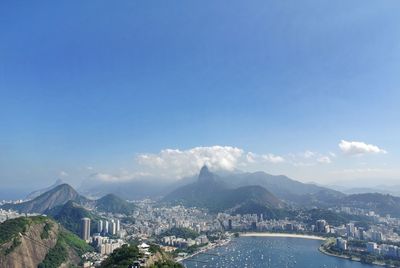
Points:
[(271, 252)]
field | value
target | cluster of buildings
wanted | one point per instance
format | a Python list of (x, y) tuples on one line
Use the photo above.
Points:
[(367, 241), (254, 222), (10, 214), (376, 233), (92, 259), (104, 227), (112, 227), (104, 244), (181, 242), (383, 249), (374, 248), (151, 220)]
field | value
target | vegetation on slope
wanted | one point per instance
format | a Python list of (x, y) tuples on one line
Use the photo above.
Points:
[(59, 253), (122, 257), (13, 227), (70, 215), (166, 264), (56, 256), (380, 203), (336, 218), (210, 192), (114, 204), (46, 230), (127, 254)]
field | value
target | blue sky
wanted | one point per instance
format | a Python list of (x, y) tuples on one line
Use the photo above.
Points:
[(89, 87)]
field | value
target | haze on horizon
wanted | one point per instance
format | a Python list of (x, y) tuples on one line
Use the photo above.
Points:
[(145, 90)]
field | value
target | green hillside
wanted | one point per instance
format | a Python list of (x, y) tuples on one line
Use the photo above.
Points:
[(70, 214), (114, 204)]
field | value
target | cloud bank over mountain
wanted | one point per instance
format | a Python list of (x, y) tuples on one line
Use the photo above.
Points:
[(175, 164), (187, 162)]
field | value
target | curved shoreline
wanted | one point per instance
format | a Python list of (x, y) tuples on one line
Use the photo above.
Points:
[(204, 249), (284, 235), (323, 251)]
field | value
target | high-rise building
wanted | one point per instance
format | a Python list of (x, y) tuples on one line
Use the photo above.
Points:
[(230, 224), (113, 228), (350, 229), (341, 243), (376, 236), (320, 225), (371, 247), (100, 226), (85, 231), (106, 226), (118, 225)]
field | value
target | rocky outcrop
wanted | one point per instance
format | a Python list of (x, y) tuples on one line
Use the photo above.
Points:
[(29, 249), (27, 242)]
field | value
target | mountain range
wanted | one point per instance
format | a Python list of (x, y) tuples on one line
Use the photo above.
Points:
[(61, 194), (381, 203), (211, 192), (289, 190), (260, 192), (256, 192)]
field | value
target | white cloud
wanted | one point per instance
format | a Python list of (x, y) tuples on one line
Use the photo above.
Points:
[(63, 174), (177, 163), (180, 163), (310, 158), (125, 176), (273, 158), (359, 148), (324, 160), (309, 154), (253, 158)]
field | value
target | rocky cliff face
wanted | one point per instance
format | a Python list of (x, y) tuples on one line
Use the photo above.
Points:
[(29, 249), (31, 241)]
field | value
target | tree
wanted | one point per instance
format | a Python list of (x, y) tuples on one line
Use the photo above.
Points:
[(166, 264), (122, 257)]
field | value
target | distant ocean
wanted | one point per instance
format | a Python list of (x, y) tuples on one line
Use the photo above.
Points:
[(274, 252), (12, 194)]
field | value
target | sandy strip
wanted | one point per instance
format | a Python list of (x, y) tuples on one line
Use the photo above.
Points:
[(283, 235)]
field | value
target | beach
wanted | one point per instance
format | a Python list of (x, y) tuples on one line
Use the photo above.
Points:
[(254, 234)]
